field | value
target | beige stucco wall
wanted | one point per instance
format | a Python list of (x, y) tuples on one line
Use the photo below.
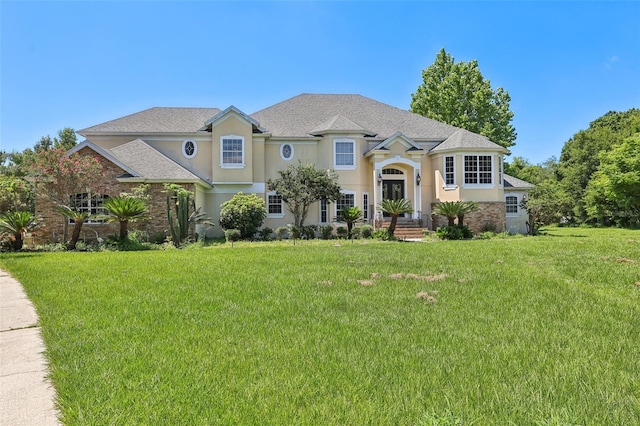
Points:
[(231, 124)]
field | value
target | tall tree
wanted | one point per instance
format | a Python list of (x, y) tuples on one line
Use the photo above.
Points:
[(458, 94), (302, 185), (613, 194)]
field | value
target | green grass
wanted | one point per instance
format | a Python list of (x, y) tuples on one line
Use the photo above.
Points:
[(540, 331)]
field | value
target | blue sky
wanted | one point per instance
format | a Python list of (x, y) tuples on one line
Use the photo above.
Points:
[(76, 64)]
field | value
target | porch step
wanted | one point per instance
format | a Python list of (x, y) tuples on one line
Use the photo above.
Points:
[(406, 229)]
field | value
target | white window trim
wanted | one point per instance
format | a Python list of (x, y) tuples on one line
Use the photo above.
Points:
[(282, 149), (320, 212), (344, 167), (91, 219), (448, 187), (478, 185), (344, 192), (195, 148), (512, 194), (232, 165), (500, 172), (274, 215)]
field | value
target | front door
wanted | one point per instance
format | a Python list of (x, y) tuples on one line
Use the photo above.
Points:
[(392, 189)]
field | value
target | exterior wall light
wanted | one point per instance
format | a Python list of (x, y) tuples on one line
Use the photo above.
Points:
[(418, 179)]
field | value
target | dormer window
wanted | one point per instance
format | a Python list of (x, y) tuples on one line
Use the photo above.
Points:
[(189, 148)]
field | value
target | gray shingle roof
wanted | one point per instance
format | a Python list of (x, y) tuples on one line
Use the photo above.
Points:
[(156, 120), (337, 123), (515, 183), (302, 114), (150, 163), (464, 139)]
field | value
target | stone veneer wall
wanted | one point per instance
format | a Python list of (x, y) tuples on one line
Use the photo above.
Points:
[(491, 215), (51, 227)]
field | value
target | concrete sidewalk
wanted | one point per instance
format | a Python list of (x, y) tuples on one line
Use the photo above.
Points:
[(26, 395)]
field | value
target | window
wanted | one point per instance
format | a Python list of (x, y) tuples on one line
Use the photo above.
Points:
[(500, 172), (232, 151), (511, 203), (449, 171), (324, 211), (365, 205), (344, 154), (348, 199), (189, 148), (274, 205), (286, 151), (91, 203), (478, 170)]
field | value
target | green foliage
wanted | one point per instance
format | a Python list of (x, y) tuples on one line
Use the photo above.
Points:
[(183, 215), (302, 185), (232, 235), (395, 208), (265, 233), (326, 232), (308, 232), (383, 234), (613, 193), (281, 232), (366, 231), (124, 210), (350, 216), (16, 193), (244, 212), (466, 207), (455, 232), (342, 232), (581, 156), (535, 174), (78, 219), (15, 225), (449, 209), (458, 94)]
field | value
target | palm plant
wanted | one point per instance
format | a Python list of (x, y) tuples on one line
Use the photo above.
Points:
[(466, 207), (450, 209), (125, 210), (17, 224), (78, 219), (350, 216), (395, 208)]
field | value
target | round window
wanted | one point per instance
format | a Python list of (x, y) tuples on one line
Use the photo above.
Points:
[(189, 148), (286, 151)]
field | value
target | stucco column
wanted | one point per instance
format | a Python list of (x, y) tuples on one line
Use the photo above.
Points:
[(417, 193)]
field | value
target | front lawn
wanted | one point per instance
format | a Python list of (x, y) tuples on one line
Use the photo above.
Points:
[(516, 331)]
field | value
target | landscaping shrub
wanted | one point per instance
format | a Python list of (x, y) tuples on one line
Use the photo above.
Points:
[(265, 233), (326, 232), (383, 234), (308, 232), (366, 231), (232, 235), (281, 232), (244, 212), (341, 231), (455, 232), (356, 232)]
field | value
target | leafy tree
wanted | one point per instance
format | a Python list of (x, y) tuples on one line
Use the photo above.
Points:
[(16, 194), (521, 168), (350, 216), (244, 212), (17, 224), (395, 208), (302, 185), (547, 203), (78, 219), (458, 94), (613, 194), (66, 140), (123, 210), (580, 157)]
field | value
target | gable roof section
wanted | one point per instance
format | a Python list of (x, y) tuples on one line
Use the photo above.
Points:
[(156, 120), (301, 115), (103, 153), (150, 164), (233, 109), (339, 123), (385, 144), (463, 139), (515, 183)]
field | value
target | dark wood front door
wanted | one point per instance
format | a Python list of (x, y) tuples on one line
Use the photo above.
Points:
[(392, 189)]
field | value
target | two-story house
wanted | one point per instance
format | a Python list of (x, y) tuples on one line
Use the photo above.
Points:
[(379, 152)]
